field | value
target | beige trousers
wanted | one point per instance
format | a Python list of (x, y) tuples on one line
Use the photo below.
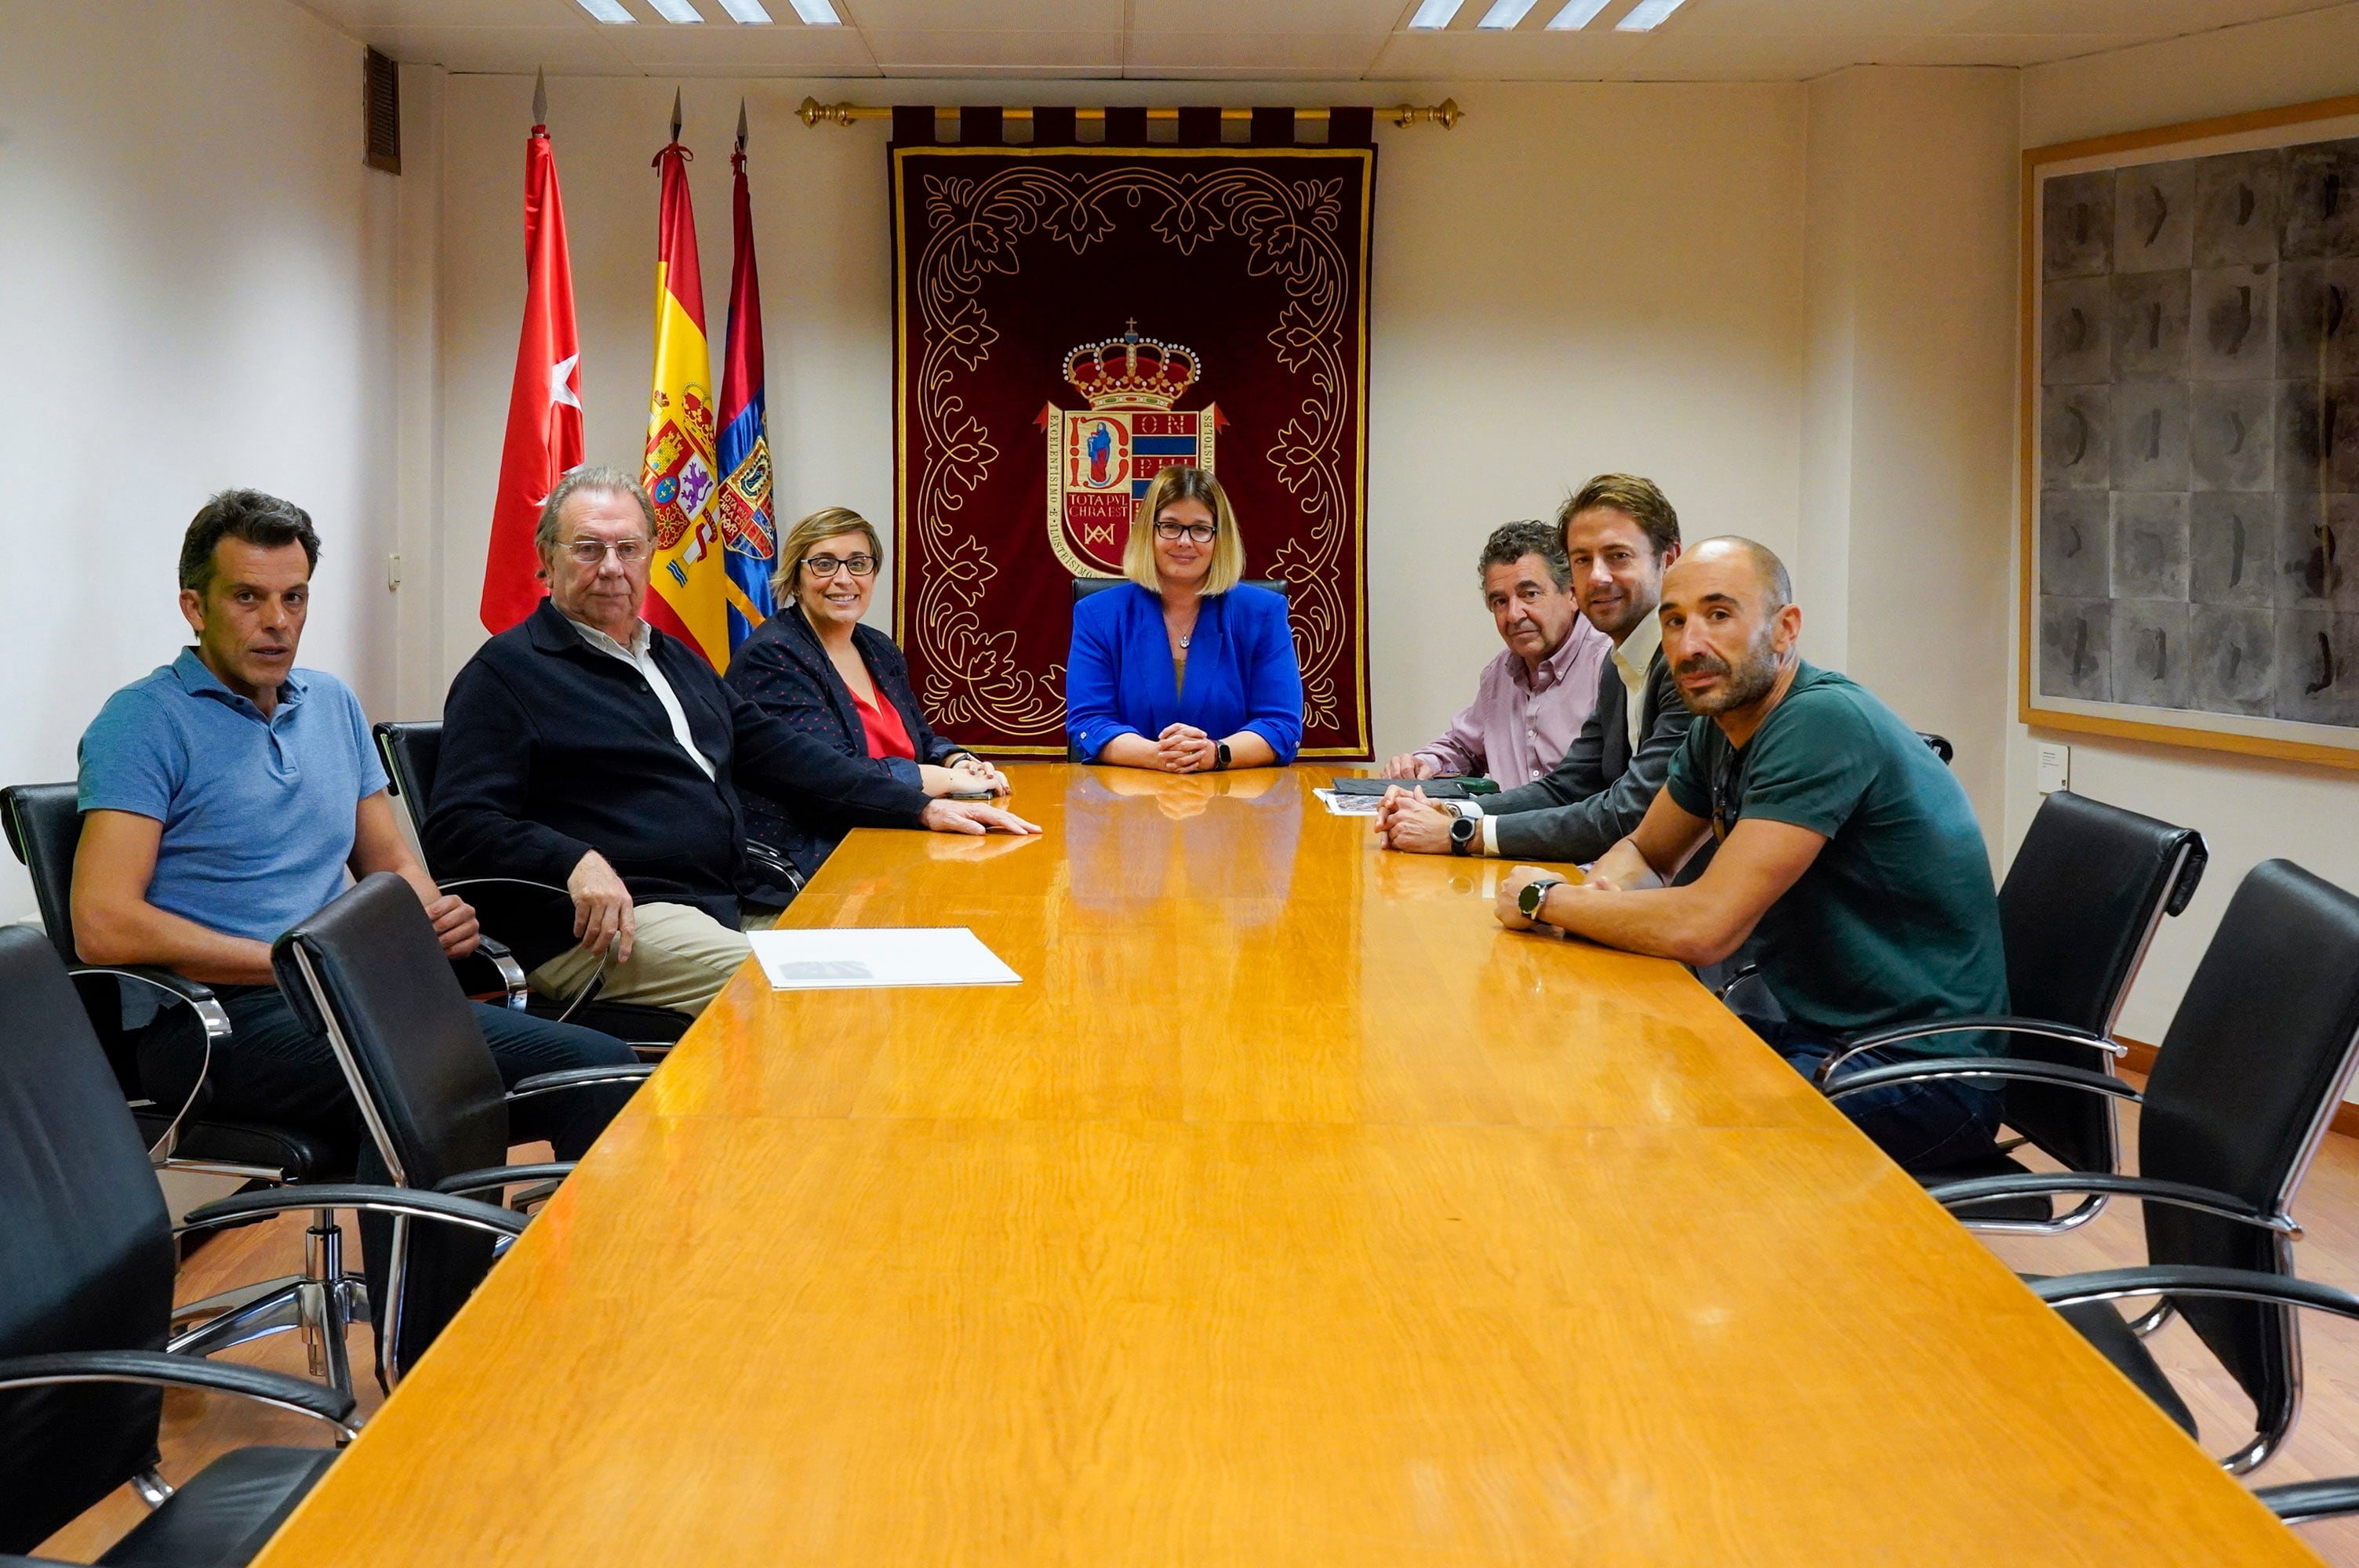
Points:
[(680, 958)]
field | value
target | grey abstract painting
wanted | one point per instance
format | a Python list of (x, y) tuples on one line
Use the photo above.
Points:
[(2195, 452)]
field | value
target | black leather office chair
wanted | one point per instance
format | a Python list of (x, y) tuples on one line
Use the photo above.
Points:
[(2243, 1086), (1086, 585), (367, 972), (44, 828), (86, 1266), (537, 916), (1940, 745), (2082, 900)]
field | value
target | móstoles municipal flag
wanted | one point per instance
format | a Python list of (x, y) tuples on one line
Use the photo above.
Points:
[(689, 599), (544, 436), (747, 528)]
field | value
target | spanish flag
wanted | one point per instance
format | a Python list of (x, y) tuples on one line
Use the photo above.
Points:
[(690, 598)]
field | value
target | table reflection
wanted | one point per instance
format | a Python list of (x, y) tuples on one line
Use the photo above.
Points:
[(1145, 837)]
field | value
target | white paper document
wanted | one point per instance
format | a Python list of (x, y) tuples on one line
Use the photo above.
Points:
[(1349, 804), (888, 956)]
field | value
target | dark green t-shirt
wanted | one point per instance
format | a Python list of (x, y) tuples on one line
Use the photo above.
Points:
[(1896, 920)]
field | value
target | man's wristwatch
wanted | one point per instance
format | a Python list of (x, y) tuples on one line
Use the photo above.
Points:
[(1219, 756), (1465, 835), (1535, 895)]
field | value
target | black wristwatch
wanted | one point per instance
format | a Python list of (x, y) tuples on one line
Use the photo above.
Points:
[(1534, 898), (1220, 755), (1465, 832)]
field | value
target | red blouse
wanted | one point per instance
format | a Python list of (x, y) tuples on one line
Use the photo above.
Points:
[(887, 736)]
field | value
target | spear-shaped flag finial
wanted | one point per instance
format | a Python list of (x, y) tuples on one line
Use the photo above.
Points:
[(541, 98), (741, 125), (675, 114)]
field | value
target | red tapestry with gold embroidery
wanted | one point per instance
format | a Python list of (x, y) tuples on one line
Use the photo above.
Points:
[(1069, 319)]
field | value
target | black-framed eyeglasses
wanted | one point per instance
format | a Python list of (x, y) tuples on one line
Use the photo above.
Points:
[(593, 552), (1727, 791), (1201, 532), (822, 567)]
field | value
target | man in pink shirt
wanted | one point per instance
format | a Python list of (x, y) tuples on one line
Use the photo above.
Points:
[(1534, 697)]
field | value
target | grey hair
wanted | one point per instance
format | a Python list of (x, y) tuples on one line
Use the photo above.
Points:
[(586, 476), (1776, 581), (1512, 542)]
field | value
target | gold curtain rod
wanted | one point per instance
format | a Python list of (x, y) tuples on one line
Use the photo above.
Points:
[(1445, 114)]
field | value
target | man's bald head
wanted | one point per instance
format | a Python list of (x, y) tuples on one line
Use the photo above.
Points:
[(1769, 574)]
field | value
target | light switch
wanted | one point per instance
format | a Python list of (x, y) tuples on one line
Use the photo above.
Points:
[(2055, 767)]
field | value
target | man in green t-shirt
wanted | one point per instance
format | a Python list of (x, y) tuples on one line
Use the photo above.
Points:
[(1847, 853)]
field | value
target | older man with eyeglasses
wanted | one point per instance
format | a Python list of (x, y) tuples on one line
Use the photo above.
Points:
[(584, 748)]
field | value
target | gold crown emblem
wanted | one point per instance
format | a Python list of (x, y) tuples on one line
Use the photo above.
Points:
[(1131, 372)]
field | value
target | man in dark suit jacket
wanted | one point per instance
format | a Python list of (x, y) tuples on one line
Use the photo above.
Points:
[(1621, 534), (583, 747)]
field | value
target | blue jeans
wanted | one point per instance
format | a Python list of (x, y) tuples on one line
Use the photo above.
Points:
[(273, 1070), (1925, 1126)]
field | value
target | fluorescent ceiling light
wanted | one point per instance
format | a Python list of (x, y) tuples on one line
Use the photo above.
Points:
[(1645, 16), (1432, 15), (606, 11), (1505, 14), (817, 14), (1576, 14), (748, 12), (675, 10)]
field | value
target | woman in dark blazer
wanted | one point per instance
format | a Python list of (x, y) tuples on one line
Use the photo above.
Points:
[(816, 667), (1184, 668)]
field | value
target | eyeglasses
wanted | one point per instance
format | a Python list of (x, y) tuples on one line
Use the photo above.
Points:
[(593, 552), (1201, 532), (822, 567)]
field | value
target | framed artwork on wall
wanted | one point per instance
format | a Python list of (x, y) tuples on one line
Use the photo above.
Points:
[(2190, 435)]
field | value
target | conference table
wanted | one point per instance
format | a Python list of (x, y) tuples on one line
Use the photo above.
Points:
[(1289, 1211)]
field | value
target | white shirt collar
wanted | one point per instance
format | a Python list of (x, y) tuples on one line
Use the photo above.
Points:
[(1634, 652), (636, 652)]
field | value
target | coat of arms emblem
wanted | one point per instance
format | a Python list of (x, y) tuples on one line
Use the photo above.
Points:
[(1102, 458)]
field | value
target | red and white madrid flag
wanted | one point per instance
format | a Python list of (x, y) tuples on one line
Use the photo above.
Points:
[(544, 404)]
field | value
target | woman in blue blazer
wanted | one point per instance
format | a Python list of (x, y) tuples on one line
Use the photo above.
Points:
[(1183, 669)]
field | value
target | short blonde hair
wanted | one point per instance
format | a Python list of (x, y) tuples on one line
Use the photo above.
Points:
[(817, 529), (1184, 483)]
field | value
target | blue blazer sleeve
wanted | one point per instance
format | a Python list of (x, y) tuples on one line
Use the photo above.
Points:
[(1273, 675), (1093, 674)]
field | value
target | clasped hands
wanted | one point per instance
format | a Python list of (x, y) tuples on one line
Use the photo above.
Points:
[(1184, 749), (964, 776), (1510, 908), (1408, 821)]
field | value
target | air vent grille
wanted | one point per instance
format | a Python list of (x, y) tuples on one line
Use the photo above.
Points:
[(381, 94)]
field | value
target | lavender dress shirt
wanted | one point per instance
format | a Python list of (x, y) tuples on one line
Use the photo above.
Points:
[(1521, 720)]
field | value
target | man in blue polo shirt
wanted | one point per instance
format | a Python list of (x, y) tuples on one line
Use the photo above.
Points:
[(225, 796)]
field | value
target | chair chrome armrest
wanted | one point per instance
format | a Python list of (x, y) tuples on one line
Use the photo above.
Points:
[(2013, 1067), (1988, 1024), (2193, 1280), (2304, 1502), (2180, 1195), (579, 1078), (496, 953), (210, 1012), (160, 1371), (771, 860), (493, 1176), (243, 1209)]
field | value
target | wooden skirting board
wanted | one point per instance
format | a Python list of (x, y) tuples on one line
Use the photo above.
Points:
[(2140, 1060)]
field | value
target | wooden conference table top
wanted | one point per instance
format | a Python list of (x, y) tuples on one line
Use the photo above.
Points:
[(1289, 1211)]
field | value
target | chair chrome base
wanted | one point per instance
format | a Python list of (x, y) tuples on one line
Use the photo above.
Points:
[(323, 1303)]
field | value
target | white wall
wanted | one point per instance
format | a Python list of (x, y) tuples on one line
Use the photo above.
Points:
[(1575, 279), (2248, 810), (195, 268), (1907, 418)]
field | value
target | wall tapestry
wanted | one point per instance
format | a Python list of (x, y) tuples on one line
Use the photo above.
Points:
[(1069, 319), (2190, 561)]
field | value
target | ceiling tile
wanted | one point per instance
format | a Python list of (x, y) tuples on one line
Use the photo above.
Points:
[(587, 52), (1810, 18), (2142, 20), (2009, 49), (980, 15), (1688, 57), (1502, 57), (995, 54), (1236, 54), (1306, 17), (728, 49), (354, 15)]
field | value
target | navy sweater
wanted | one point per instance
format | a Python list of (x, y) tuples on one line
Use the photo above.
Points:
[(551, 749)]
